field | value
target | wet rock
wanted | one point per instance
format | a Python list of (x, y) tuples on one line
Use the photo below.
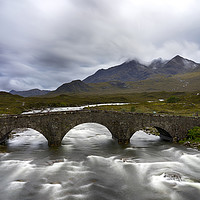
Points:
[(187, 143), (51, 162), (56, 182), (151, 131), (20, 180), (196, 145), (173, 176), (128, 160), (93, 180), (124, 159), (192, 144)]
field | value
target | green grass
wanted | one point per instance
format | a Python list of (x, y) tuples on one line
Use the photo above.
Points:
[(187, 82), (188, 104), (159, 108), (194, 134), (193, 138)]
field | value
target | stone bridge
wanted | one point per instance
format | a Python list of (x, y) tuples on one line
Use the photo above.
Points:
[(122, 125)]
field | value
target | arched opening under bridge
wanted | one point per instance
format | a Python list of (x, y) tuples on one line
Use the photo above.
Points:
[(157, 131), (86, 138), (25, 137), (88, 131)]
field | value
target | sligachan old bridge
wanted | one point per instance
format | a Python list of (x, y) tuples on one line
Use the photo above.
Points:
[(122, 125)]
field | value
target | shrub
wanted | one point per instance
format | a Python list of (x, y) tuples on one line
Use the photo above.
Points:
[(133, 109), (194, 133), (173, 99)]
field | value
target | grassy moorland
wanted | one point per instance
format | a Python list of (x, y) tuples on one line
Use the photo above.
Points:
[(187, 82), (185, 109), (179, 103), (13, 104), (175, 103)]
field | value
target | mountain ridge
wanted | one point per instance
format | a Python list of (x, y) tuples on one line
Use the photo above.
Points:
[(75, 86), (30, 93), (180, 73), (134, 71)]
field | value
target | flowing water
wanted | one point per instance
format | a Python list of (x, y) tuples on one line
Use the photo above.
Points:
[(60, 109), (91, 165)]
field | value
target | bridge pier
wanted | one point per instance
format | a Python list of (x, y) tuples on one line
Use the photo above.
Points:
[(123, 141), (54, 143)]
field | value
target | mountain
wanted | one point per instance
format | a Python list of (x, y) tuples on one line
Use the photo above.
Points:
[(128, 71), (177, 74), (186, 82), (157, 63), (135, 71), (72, 87), (177, 65), (30, 93), (5, 94)]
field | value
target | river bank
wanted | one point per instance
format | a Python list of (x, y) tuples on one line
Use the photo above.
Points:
[(191, 143), (195, 145)]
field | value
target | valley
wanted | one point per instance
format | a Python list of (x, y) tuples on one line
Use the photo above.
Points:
[(131, 82), (147, 102)]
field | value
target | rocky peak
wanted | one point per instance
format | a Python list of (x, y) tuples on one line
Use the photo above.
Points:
[(156, 63), (178, 65), (127, 71)]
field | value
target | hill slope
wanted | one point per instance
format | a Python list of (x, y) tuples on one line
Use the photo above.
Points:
[(30, 93), (128, 71), (76, 86), (187, 82)]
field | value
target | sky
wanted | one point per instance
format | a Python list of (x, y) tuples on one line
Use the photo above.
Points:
[(45, 43)]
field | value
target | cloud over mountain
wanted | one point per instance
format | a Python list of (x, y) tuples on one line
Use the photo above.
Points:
[(46, 43)]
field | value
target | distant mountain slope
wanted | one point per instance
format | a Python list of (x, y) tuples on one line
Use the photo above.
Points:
[(187, 82), (6, 94), (134, 71), (128, 71), (30, 93), (72, 87)]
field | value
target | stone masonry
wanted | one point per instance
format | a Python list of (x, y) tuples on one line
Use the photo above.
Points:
[(122, 125)]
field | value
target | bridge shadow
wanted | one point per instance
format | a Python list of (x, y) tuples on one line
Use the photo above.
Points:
[(157, 131), (164, 135)]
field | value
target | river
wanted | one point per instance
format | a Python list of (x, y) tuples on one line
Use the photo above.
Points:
[(91, 165)]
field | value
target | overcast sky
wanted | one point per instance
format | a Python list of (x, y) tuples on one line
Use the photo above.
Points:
[(45, 43)]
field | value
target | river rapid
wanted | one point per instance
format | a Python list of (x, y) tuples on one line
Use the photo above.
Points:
[(91, 165)]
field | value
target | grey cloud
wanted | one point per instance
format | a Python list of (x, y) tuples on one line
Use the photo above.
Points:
[(46, 43)]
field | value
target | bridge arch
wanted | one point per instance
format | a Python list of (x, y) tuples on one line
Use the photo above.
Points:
[(87, 126), (89, 129), (164, 135), (13, 130), (21, 136), (154, 130)]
